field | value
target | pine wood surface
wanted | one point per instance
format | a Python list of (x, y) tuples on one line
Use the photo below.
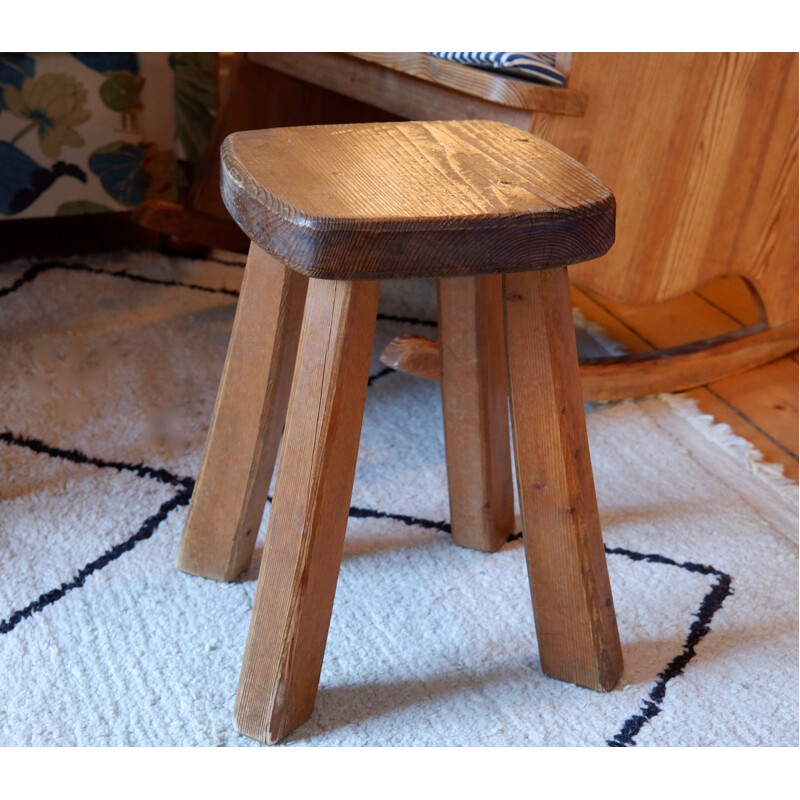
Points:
[(701, 152), (247, 423), (414, 199), (573, 608), (307, 522), (776, 408), (733, 297), (474, 382)]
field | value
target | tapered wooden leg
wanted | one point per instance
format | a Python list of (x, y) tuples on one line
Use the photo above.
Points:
[(475, 410), (305, 534), (239, 458), (574, 612)]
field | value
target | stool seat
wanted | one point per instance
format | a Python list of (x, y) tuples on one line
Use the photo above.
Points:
[(414, 199)]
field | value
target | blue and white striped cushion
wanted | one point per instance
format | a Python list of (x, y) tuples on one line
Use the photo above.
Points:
[(533, 66)]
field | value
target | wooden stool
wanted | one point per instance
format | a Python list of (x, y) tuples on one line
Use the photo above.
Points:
[(496, 215)]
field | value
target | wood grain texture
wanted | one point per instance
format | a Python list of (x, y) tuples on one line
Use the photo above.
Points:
[(671, 369), (701, 152), (573, 608), (388, 89), (414, 199), (239, 457), (475, 411), (305, 533), (495, 87)]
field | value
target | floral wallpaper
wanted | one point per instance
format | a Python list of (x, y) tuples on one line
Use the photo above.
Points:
[(97, 132)]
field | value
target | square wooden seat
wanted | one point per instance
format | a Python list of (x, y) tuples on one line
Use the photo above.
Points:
[(495, 215), (414, 199)]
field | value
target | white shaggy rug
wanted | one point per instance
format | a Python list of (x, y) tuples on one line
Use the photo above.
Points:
[(108, 372)]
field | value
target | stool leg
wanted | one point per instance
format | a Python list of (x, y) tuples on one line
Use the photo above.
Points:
[(574, 612), (305, 534), (239, 457), (475, 411)]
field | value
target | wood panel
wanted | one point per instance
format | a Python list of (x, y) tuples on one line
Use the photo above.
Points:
[(616, 329), (674, 322), (701, 152), (731, 295)]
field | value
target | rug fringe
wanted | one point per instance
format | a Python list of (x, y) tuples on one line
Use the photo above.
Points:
[(744, 452)]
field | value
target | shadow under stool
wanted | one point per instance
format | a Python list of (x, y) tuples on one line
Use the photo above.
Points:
[(495, 215)]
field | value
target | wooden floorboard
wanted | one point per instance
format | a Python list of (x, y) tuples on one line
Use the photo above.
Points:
[(673, 323), (722, 411), (759, 405), (768, 397), (731, 296)]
